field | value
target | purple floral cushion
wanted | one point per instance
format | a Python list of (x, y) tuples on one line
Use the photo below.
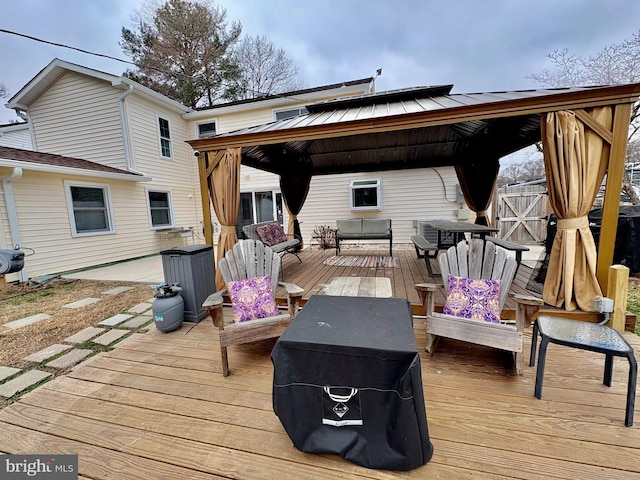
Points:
[(474, 299), (252, 299), (271, 234)]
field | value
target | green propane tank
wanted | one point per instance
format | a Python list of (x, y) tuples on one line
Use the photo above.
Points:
[(168, 307)]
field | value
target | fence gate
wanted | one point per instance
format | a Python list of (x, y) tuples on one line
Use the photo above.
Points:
[(522, 213)]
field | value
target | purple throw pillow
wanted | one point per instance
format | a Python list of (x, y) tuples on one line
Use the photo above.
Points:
[(271, 234), (473, 299), (252, 298)]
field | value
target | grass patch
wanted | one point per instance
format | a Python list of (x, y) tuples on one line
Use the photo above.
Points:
[(27, 298)]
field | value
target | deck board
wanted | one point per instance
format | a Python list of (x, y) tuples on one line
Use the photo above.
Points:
[(158, 406)]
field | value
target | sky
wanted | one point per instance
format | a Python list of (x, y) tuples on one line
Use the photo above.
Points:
[(476, 45)]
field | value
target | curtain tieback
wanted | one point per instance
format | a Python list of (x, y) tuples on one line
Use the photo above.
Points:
[(482, 213), (227, 229), (573, 223)]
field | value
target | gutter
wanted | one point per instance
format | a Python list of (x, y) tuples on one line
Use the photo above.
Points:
[(12, 213), (43, 167), (124, 124)]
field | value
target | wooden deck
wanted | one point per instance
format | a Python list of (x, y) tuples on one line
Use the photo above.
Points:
[(312, 275), (157, 407)]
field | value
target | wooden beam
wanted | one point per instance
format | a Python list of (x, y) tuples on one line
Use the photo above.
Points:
[(205, 200), (594, 125), (611, 207), (618, 289)]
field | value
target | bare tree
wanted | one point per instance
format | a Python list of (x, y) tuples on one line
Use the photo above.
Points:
[(525, 171), (264, 69), (615, 64), (182, 50), (4, 93)]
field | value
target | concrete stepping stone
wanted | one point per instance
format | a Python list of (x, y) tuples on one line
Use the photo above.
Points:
[(116, 291), (110, 337), (48, 352), (140, 308), (81, 303), (133, 336), (138, 321), (70, 359), (22, 382), (115, 320), (84, 335), (27, 320), (6, 372)]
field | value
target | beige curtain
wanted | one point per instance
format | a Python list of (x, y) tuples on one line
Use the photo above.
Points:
[(224, 189), (575, 164)]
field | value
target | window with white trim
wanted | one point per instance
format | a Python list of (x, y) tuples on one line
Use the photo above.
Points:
[(165, 138), (293, 112), (206, 130), (89, 209), (160, 208), (366, 194)]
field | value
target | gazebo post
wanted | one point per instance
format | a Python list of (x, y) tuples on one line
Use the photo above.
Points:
[(611, 207), (205, 200)]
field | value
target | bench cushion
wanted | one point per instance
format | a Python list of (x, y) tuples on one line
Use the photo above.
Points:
[(376, 226), (281, 247), (349, 227)]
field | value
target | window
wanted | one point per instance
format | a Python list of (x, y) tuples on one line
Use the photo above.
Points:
[(366, 194), (90, 207), (256, 207), (281, 115), (206, 130), (160, 208), (165, 138)]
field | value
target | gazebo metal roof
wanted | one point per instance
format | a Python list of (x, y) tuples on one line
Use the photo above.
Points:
[(408, 128)]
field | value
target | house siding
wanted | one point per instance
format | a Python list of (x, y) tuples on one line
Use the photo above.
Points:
[(45, 225), (79, 116), (407, 195), (178, 174), (16, 138)]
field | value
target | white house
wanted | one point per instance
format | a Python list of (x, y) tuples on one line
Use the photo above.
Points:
[(111, 176)]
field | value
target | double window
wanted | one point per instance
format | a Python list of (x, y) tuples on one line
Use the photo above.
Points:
[(164, 131), (90, 209), (366, 194), (160, 208)]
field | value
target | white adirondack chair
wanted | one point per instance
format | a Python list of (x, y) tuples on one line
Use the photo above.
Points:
[(478, 259), (249, 259)]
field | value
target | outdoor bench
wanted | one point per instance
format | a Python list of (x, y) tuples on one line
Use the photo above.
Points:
[(364, 229), (288, 246), (426, 250)]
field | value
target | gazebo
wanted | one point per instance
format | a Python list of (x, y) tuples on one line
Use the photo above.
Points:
[(583, 131)]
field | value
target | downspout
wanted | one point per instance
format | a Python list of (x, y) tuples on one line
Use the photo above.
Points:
[(125, 131), (25, 116), (12, 213)]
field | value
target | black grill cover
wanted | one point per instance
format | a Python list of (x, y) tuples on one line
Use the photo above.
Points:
[(347, 380)]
